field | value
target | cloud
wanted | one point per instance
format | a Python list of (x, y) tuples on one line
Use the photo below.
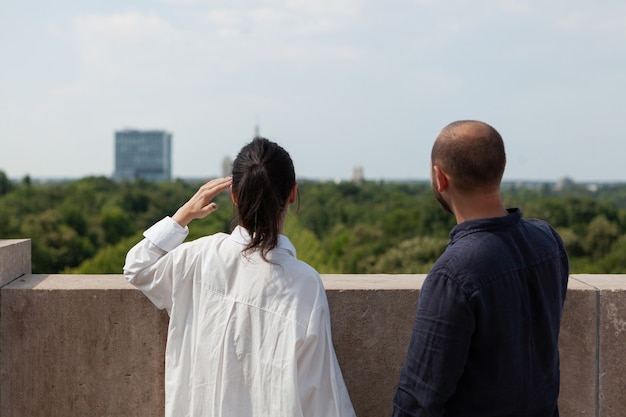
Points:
[(608, 19), (185, 2), (571, 21), (121, 49), (515, 6), (136, 48), (286, 17), (614, 23)]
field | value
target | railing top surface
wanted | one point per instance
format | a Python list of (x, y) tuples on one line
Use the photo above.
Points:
[(9, 242), (334, 282)]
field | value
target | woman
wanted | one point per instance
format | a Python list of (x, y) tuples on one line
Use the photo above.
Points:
[(249, 331)]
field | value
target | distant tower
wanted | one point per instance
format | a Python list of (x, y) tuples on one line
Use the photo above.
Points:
[(145, 154), (227, 167), (563, 182), (257, 131), (357, 176)]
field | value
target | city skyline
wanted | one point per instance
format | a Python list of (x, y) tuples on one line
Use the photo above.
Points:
[(341, 84)]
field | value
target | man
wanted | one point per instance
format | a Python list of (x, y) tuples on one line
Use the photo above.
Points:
[(484, 342)]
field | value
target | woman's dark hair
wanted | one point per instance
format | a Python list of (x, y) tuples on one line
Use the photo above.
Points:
[(263, 176)]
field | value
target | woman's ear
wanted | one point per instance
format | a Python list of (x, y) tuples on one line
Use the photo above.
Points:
[(293, 193), (233, 195)]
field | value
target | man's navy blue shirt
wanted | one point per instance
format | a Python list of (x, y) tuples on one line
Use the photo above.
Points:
[(484, 342)]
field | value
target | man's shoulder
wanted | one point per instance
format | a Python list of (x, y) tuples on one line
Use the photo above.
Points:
[(541, 229)]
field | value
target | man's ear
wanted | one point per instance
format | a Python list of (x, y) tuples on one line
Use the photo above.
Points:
[(293, 193), (442, 179)]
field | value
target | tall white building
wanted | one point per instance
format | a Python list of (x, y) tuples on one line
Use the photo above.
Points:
[(145, 154)]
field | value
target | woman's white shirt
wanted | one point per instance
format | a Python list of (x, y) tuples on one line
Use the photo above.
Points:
[(246, 337)]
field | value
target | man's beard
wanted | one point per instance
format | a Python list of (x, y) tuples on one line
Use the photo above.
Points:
[(440, 198)]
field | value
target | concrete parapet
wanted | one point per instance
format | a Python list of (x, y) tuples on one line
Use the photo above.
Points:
[(578, 346), (372, 317), (93, 345), (611, 343), (15, 259), (77, 345)]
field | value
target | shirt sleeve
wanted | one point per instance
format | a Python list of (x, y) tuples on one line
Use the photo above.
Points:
[(321, 387), (143, 267), (437, 351)]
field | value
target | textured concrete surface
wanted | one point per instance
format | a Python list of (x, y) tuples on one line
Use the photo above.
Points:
[(92, 345), (578, 347), (80, 346), (15, 259), (372, 317), (612, 343)]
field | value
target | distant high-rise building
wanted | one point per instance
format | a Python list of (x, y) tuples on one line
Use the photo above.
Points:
[(145, 154)]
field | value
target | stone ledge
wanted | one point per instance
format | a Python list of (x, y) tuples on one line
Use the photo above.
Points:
[(332, 282), (15, 259), (80, 345), (94, 345), (69, 282), (611, 342)]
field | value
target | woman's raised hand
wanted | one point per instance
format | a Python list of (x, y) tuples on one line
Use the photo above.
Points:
[(201, 204)]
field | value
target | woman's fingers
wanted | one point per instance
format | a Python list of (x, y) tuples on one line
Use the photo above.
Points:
[(216, 186), (201, 205)]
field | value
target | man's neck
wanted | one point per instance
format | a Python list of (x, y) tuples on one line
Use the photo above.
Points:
[(479, 207)]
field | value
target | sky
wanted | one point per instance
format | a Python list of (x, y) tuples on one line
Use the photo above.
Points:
[(340, 84)]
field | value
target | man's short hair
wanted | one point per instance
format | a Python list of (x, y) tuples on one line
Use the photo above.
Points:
[(472, 153)]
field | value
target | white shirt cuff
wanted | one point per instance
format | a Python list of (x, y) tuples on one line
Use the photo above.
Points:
[(166, 234)]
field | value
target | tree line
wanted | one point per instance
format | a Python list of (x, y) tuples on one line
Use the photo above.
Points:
[(87, 226)]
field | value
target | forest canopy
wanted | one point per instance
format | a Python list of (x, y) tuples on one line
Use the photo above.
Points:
[(87, 226)]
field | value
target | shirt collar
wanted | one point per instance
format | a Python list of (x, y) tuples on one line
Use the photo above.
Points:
[(242, 236), (480, 225)]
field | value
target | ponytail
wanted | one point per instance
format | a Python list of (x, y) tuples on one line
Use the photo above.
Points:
[(263, 176)]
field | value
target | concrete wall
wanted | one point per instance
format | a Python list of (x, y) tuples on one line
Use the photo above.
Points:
[(92, 345), (15, 259)]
